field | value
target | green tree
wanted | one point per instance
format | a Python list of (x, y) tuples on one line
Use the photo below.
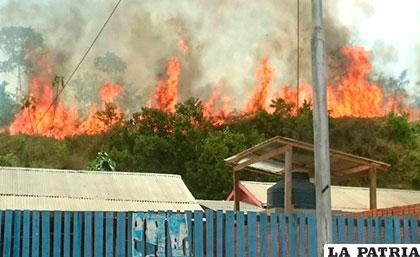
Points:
[(103, 162), (110, 63), (8, 106)]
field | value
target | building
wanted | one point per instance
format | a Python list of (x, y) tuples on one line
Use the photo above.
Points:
[(343, 198), (72, 190)]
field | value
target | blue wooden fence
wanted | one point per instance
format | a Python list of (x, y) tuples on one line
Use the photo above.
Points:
[(210, 234)]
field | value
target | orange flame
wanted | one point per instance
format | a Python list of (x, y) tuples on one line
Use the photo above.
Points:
[(265, 77), (166, 93), (183, 45)]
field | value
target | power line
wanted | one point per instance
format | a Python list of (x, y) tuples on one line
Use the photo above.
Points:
[(78, 65), (297, 55)]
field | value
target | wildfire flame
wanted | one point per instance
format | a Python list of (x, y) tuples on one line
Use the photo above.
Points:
[(183, 45), (166, 93)]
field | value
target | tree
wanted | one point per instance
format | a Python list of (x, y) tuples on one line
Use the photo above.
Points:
[(110, 63), (102, 163), (8, 106), (15, 44)]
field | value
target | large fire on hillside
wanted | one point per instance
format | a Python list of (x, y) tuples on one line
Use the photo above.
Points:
[(352, 96)]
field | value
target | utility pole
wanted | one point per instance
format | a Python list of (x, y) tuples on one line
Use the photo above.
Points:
[(321, 137)]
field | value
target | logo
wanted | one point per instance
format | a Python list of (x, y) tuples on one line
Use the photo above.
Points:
[(371, 250)]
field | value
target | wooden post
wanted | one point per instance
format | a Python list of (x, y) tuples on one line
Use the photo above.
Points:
[(236, 190), (372, 188), (288, 180)]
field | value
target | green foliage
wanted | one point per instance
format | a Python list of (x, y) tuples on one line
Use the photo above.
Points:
[(103, 162), (185, 143), (110, 63)]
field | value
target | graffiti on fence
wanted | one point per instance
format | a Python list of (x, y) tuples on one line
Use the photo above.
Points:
[(178, 234)]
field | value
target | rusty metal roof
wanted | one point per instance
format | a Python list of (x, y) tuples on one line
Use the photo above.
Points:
[(217, 205), (343, 164), (75, 190)]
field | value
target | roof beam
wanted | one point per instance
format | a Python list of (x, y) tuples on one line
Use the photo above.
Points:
[(260, 158), (355, 169)]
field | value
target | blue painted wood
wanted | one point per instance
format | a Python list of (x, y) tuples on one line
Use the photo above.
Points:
[(87, 242), (302, 236), (292, 235), (263, 234), (1, 231), (252, 235), (369, 230), (35, 233), (350, 230), (360, 230), (282, 235), (388, 230), (397, 232), (138, 225), (120, 240), (406, 231), (168, 234), (129, 235), (57, 234), (312, 250), (273, 234), (341, 229), (334, 225), (67, 236), (190, 231), (26, 233), (198, 233), (413, 225), (109, 234), (378, 228), (219, 235), (45, 235), (155, 233), (16, 233), (230, 234), (77, 234), (7, 237), (209, 233), (240, 241), (99, 234)]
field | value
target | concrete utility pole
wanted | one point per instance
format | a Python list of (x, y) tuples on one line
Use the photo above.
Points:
[(321, 140)]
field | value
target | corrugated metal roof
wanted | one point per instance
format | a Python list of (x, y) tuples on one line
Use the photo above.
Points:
[(44, 189), (227, 205), (344, 198)]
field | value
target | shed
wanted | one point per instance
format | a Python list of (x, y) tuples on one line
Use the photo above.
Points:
[(77, 190), (278, 156)]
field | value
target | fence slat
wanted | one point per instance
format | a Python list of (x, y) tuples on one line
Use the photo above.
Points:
[(378, 227), (397, 232), (273, 235), (350, 230), (312, 250), (302, 236), (45, 235), (252, 235), (1, 231), (198, 233), (87, 234), (334, 225), (282, 235), (26, 233), (413, 224), (7, 237), (129, 235), (388, 230), (406, 230), (66, 236), (230, 234), (240, 236), (16, 233), (369, 230), (209, 233), (120, 243), (169, 215), (263, 234), (138, 222), (99, 234), (219, 235), (341, 229), (57, 234), (292, 235), (360, 230), (190, 232), (77, 234), (109, 234)]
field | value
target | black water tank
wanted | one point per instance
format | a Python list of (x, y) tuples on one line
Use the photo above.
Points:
[(303, 192)]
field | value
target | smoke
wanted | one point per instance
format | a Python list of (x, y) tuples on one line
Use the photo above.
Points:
[(226, 39)]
